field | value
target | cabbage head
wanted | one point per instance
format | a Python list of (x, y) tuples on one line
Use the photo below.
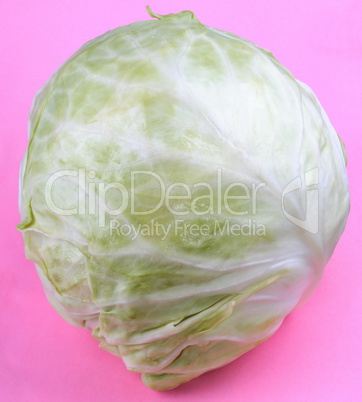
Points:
[(180, 195)]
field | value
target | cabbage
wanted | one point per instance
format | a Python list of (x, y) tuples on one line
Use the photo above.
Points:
[(180, 195)]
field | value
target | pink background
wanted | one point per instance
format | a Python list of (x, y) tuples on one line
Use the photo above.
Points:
[(316, 355)]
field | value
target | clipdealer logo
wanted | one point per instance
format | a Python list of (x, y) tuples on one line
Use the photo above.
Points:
[(216, 199)]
